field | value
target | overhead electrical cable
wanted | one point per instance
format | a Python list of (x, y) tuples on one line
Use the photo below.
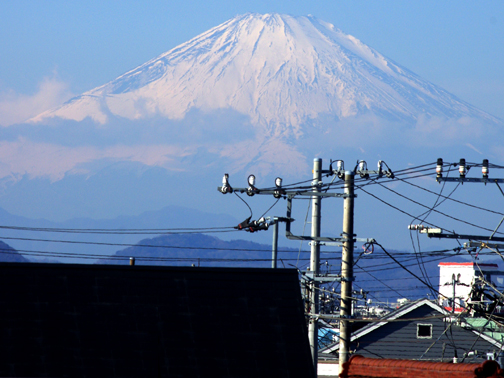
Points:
[(437, 211), (394, 207), (366, 181), (140, 245), (304, 227), (245, 202), (424, 217), (452, 199), (126, 257), (403, 261), (132, 231), (409, 271), (377, 279), (428, 223), (271, 207)]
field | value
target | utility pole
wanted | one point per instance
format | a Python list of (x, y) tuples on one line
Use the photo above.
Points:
[(453, 298), (274, 244), (314, 261), (347, 269), (312, 278)]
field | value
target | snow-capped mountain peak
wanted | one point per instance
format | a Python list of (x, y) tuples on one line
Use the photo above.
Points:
[(279, 70)]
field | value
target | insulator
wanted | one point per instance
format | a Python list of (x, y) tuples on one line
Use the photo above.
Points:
[(362, 170), (439, 167), (278, 184), (462, 168), (226, 188), (484, 169), (340, 165), (417, 227), (362, 165), (251, 180), (251, 189)]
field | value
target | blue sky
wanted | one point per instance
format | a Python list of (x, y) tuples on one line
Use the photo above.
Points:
[(52, 49)]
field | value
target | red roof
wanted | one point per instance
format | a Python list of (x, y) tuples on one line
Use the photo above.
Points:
[(457, 309), (362, 367), (466, 264)]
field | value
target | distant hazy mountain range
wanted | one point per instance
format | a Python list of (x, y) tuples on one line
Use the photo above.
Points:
[(9, 254), (381, 276), (40, 239), (201, 250)]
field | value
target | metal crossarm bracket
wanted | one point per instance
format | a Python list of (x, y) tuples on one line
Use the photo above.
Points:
[(289, 235), (473, 244), (438, 233), (309, 276), (292, 194), (328, 241), (289, 193), (328, 244), (347, 279), (469, 179), (365, 240), (330, 316)]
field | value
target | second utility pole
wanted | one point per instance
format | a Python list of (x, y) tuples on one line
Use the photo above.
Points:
[(314, 261), (347, 269)]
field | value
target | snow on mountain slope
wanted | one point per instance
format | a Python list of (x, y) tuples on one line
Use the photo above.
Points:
[(281, 71)]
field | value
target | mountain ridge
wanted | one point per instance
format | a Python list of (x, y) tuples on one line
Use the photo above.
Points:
[(384, 279), (280, 70), (9, 254)]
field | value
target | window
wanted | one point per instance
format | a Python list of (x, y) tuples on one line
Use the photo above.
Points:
[(424, 331)]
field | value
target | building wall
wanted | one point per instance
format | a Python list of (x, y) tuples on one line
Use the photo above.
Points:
[(465, 274)]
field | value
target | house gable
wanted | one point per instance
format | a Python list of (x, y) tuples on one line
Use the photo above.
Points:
[(419, 331)]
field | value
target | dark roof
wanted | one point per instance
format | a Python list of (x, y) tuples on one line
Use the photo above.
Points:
[(402, 311), (117, 321), (395, 336)]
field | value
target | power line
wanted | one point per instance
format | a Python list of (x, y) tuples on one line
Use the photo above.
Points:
[(377, 279), (396, 178), (425, 215), (141, 258), (409, 271), (437, 211), (394, 207), (140, 245), (452, 199), (132, 231)]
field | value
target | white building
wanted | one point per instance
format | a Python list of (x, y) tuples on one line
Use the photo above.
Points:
[(460, 277)]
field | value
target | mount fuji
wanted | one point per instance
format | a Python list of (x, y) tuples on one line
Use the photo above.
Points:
[(260, 93), (279, 70)]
